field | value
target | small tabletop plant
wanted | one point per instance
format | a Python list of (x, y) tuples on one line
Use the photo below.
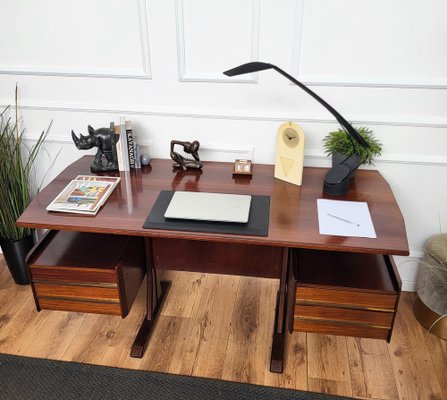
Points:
[(340, 141)]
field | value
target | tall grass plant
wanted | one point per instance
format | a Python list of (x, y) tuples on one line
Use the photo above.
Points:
[(17, 165)]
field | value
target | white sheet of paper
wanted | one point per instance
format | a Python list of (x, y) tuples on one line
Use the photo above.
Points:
[(345, 218)]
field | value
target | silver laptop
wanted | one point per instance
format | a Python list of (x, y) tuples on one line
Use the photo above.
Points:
[(205, 206)]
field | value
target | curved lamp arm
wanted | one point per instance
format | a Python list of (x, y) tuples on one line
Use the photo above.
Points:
[(260, 66), (336, 181)]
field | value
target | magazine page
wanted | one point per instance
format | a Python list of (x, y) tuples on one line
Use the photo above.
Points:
[(82, 196), (94, 178)]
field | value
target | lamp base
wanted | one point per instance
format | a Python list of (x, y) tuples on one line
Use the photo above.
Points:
[(336, 181)]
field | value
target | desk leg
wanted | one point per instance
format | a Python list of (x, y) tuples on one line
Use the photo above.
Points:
[(279, 332), (155, 299)]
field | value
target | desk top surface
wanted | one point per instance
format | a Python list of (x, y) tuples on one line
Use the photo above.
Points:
[(293, 209)]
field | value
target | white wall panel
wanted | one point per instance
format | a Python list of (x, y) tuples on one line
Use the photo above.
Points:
[(214, 35), (375, 42), (82, 38)]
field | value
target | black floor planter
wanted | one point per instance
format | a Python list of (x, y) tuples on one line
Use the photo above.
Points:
[(15, 252)]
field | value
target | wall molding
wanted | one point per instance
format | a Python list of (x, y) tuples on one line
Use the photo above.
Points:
[(397, 158), (229, 152), (365, 82), (248, 151), (191, 76), (221, 114), (143, 73), (318, 155)]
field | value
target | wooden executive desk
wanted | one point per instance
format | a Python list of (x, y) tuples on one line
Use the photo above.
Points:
[(293, 223)]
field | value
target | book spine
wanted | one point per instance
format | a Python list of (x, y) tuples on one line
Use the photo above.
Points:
[(137, 156), (130, 144), (119, 152), (124, 146)]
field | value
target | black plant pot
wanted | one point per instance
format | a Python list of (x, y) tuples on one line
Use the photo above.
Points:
[(15, 252)]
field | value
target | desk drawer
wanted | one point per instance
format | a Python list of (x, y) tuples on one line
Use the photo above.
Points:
[(351, 298), (45, 273), (345, 294), (76, 292), (80, 306), (332, 328), (344, 315), (86, 272)]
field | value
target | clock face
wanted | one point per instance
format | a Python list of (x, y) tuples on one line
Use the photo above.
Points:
[(290, 137)]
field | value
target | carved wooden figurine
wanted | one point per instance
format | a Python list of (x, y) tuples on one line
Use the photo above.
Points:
[(189, 148)]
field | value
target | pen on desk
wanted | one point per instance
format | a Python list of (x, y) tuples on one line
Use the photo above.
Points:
[(342, 219)]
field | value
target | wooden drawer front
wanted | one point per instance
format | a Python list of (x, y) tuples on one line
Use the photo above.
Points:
[(86, 272), (72, 274), (344, 315), (348, 298), (106, 294), (79, 306), (329, 328)]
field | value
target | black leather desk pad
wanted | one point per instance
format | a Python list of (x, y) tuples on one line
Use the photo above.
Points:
[(257, 225)]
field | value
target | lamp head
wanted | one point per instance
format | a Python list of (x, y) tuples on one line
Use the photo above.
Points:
[(248, 68)]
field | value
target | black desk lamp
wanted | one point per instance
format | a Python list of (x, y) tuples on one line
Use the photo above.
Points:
[(336, 181)]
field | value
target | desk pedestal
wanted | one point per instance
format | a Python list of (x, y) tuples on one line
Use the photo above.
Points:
[(349, 294)]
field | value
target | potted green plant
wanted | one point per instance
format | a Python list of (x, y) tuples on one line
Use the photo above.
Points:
[(340, 145), (17, 162), (430, 307)]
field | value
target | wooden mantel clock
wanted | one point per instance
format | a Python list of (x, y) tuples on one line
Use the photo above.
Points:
[(289, 153)]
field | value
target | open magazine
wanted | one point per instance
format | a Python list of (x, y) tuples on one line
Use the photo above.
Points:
[(85, 194)]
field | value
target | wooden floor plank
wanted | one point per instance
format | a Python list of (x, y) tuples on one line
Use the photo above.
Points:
[(215, 325), (371, 370), (185, 291), (438, 352), (159, 353), (12, 301), (294, 375), (89, 346), (206, 332), (116, 354), (328, 364), (13, 328), (412, 365), (59, 330), (210, 329), (247, 358)]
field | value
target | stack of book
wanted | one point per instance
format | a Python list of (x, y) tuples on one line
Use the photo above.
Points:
[(84, 195), (127, 149)]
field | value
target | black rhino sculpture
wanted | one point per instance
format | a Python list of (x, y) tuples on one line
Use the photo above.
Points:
[(104, 139)]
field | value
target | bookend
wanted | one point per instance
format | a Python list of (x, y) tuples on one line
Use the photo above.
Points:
[(106, 158)]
